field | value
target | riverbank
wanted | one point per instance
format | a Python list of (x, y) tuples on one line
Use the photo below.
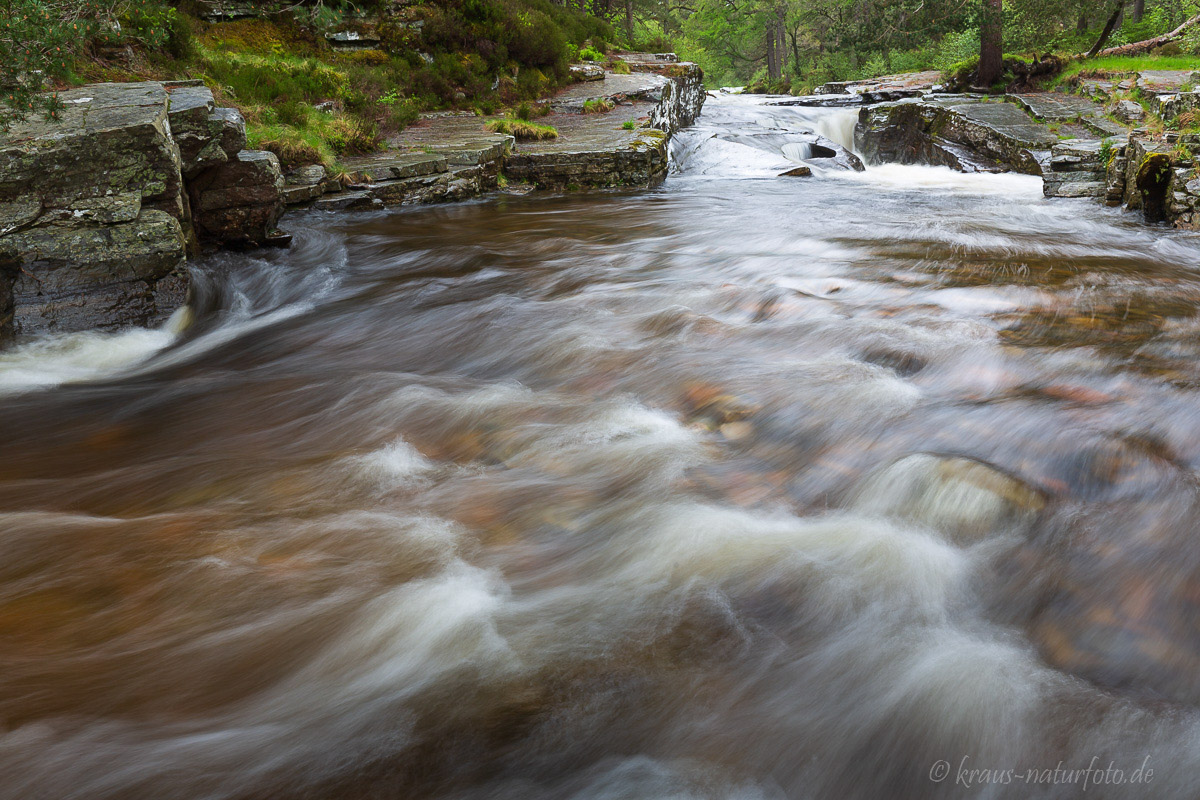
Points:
[(1125, 138), (99, 212)]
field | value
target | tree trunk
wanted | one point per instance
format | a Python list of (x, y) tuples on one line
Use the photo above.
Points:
[(991, 43), (780, 40), (1108, 28), (1135, 48), (772, 64), (629, 21), (1139, 10), (1082, 25)]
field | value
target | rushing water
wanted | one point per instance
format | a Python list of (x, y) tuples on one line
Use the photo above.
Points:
[(744, 487)]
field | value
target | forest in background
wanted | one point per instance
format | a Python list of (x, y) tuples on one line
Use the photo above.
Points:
[(307, 102), (794, 45)]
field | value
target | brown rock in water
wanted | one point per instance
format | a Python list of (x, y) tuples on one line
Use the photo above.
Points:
[(797, 172), (239, 202)]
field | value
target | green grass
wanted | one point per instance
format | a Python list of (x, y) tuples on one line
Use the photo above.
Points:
[(522, 129), (629, 125), (469, 54), (1118, 65)]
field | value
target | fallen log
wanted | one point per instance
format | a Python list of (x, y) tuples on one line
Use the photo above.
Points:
[(1146, 45)]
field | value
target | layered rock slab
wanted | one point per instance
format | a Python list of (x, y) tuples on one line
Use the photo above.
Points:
[(100, 208)]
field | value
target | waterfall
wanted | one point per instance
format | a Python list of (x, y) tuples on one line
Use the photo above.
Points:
[(837, 124)]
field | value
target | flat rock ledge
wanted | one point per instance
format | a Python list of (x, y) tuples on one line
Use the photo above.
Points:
[(449, 156), (100, 210)]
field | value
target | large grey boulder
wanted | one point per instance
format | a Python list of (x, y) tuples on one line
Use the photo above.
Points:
[(207, 136), (92, 212), (100, 209), (961, 133)]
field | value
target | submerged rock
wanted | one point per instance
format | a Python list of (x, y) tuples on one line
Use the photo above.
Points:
[(964, 499)]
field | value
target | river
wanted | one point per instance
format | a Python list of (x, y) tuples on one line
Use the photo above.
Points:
[(862, 485)]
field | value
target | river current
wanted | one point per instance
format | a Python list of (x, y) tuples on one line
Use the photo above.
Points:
[(862, 485)]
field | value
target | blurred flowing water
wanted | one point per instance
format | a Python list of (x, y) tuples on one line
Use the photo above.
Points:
[(743, 487)]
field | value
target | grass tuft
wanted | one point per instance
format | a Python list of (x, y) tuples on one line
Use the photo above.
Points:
[(523, 130)]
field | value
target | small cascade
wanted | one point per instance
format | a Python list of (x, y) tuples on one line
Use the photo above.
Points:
[(837, 124)]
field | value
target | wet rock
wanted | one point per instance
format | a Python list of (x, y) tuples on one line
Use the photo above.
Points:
[(797, 172), (311, 175), (92, 207), (347, 200), (239, 202), (1129, 111), (94, 276), (76, 198), (943, 132), (587, 72), (964, 499), (1076, 169), (640, 158)]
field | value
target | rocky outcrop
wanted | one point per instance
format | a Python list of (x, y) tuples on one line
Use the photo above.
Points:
[(449, 156), (99, 210), (92, 210), (1078, 168), (639, 161), (963, 133), (237, 203), (682, 101)]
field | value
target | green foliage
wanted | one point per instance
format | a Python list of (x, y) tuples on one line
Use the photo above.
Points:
[(621, 68), (41, 39), (590, 54), (522, 129), (629, 125)]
